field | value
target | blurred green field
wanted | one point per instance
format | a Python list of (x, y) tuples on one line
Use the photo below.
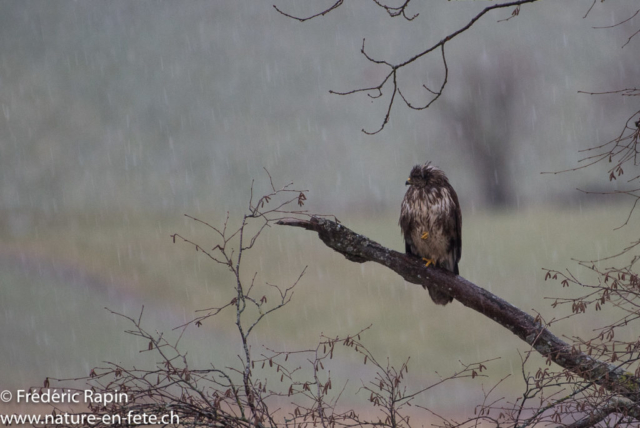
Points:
[(57, 279)]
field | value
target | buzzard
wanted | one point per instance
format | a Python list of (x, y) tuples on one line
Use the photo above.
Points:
[(431, 222)]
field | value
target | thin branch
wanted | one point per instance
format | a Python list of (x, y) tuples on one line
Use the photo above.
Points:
[(621, 22), (336, 5), (396, 11), (589, 11), (620, 192), (438, 93), (393, 11)]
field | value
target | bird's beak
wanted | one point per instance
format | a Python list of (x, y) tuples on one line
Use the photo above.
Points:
[(408, 182)]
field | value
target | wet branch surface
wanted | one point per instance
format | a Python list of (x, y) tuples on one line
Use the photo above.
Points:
[(360, 249)]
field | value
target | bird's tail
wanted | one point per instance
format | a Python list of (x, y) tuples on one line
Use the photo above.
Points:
[(438, 297)]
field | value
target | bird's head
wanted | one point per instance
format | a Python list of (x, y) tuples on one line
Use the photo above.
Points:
[(424, 175)]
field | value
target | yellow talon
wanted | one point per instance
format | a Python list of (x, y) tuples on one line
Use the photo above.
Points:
[(425, 235), (429, 262)]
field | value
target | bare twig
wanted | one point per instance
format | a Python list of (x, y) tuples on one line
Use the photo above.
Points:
[(377, 90)]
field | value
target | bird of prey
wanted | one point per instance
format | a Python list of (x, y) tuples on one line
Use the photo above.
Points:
[(431, 222)]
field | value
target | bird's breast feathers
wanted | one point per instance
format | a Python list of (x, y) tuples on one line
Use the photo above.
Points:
[(428, 210), (428, 206)]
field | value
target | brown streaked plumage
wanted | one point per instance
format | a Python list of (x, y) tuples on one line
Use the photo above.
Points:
[(431, 222)]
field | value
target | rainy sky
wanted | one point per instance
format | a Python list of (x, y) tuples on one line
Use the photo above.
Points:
[(169, 104)]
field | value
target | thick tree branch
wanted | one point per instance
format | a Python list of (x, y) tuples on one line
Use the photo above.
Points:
[(614, 406), (360, 249)]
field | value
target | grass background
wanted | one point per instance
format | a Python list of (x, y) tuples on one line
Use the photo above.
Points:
[(69, 270)]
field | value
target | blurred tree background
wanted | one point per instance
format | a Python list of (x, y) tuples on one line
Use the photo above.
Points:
[(119, 117)]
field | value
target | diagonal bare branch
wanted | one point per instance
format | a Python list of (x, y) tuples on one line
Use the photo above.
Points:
[(622, 407), (360, 249)]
